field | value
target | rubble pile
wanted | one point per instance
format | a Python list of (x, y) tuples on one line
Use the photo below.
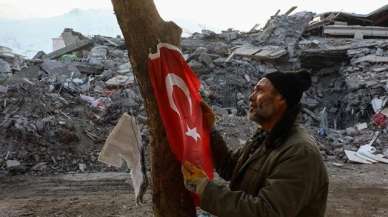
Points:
[(56, 114), (9, 62), (347, 74), (58, 108)]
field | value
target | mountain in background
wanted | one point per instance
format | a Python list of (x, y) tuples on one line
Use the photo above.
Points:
[(27, 37)]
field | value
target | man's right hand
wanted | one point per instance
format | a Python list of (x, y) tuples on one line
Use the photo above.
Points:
[(209, 118)]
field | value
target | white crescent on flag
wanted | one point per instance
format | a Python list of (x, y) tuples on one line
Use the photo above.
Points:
[(174, 80), (171, 80)]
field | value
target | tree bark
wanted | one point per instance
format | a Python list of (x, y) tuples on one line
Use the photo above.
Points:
[(142, 28)]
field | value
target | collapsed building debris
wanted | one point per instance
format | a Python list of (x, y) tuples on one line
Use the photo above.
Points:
[(348, 21), (48, 117), (56, 113)]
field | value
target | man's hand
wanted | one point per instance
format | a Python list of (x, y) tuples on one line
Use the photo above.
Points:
[(209, 118), (195, 179)]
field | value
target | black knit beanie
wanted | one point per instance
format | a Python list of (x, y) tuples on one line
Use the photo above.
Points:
[(290, 85)]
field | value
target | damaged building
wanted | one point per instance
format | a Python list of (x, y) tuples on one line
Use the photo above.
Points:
[(56, 109)]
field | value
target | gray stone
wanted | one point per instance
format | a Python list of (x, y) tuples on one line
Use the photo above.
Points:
[(230, 35), (219, 61), (3, 89), (310, 102), (314, 79), (82, 167), (119, 80), (53, 67), (379, 52), (206, 59), (220, 48), (124, 68), (199, 51), (12, 163), (5, 67), (39, 166), (351, 131), (353, 84), (97, 54), (195, 65)]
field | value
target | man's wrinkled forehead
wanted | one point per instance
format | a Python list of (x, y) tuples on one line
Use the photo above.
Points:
[(264, 83)]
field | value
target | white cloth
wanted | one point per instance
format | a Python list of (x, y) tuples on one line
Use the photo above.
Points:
[(124, 143)]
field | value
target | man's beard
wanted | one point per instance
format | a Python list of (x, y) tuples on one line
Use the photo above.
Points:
[(256, 117)]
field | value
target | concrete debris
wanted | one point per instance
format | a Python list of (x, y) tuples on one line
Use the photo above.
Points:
[(358, 32), (261, 53), (70, 36), (3, 89), (56, 114), (82, 167), (119, 80), (12, 163), (372, 59), (247, 50), (98, 54), (367, 153), (285, 30), (378, 104), (124, 68), (230, 34), (77, 46), (59, 110), (361, 126), (4, 67)]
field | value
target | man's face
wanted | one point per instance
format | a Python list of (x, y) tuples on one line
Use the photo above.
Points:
[(265, 102)]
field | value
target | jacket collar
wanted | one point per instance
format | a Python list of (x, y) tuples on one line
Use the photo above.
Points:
[(282, 129)]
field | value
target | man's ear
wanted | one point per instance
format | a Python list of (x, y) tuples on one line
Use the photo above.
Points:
[(281, 102)]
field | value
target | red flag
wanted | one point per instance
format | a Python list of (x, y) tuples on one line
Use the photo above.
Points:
[(176, 89)]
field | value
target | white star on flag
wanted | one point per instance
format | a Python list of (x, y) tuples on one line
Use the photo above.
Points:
[(193, 133)]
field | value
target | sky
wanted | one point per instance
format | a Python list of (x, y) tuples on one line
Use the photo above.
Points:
[(220, 14)]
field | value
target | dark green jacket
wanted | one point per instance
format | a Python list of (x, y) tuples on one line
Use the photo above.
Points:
[(288, 179)]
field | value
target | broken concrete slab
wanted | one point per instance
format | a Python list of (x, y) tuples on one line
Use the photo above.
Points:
[(270, 53), (284, 30), (39, 55), (324, 57), (53, 67), (5, 67), (230, 34), (70, 36), (13, 163), (246, 50), (117, 42), (361, 126), (261, 53), (119, 80), (206, 59), (124, 68), (358, 32), (372, 59), (70, 48), (89, 69), (3, 89), (196, 66), (6, 53), (220, 48), (97, 54)]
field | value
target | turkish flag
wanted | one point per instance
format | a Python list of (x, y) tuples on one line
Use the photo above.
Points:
[(176, 89)]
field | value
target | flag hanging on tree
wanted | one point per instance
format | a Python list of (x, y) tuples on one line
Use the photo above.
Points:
[(176, 88)]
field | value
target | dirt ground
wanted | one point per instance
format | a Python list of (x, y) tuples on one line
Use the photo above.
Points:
[(355, 191)]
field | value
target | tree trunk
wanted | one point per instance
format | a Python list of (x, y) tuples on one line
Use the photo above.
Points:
[(142, 28)]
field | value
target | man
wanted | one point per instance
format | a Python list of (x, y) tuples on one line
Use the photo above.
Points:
[(279, 172)]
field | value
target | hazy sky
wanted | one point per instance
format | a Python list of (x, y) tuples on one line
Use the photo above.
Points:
[(240, 14)]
